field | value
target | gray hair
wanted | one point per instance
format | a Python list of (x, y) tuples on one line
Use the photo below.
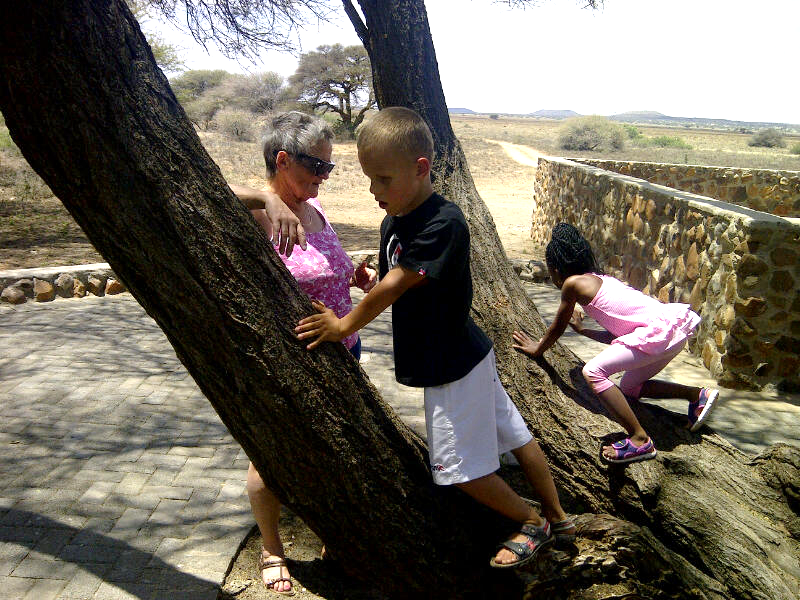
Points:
[(295, 133)]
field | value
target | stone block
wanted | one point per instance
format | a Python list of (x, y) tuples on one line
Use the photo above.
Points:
[(43, 291), (65, 285), (13, 295), (789, 366), (725, 316), (751, 307), (692, 263), (96, 285), (742, 328), (79, 289), (114, 286), (708, 353), (781, 281)]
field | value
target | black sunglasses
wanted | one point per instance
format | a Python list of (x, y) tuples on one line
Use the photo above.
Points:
[(316, 165)]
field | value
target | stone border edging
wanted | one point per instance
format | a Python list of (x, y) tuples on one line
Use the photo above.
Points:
[(43, 284)]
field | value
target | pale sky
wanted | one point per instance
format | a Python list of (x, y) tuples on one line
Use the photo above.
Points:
[(728, 59)]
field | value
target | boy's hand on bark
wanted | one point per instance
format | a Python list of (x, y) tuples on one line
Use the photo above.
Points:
[(322, 327)]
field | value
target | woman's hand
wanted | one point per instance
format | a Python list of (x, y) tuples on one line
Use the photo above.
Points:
[(285, 229), (364, 277), (281, 224), (526, 345), (325, 326), (576, 321)]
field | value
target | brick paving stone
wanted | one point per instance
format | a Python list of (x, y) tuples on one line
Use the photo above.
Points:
[(85, 583), (118, 466), (42, 568), (14, 588), (44, 589)]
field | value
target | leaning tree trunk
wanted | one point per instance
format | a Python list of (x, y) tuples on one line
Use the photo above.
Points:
[(733, 517)]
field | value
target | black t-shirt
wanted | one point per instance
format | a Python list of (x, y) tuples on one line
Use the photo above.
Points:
[(435, 339)]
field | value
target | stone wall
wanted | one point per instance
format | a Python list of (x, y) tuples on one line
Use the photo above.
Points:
[(775, 192), (48, 283), (738, 268)]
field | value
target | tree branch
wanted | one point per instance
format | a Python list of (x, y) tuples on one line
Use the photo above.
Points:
[(355, 19)]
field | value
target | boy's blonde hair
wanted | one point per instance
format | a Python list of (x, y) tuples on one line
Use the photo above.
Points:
[(398, 129)]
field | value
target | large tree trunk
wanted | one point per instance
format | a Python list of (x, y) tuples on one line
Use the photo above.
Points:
[(702, 497), (92, 114)]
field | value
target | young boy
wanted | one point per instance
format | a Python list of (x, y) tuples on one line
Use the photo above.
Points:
[(425, 277)]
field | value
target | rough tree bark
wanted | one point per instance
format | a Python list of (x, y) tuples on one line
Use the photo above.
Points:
[(733, 517), (85, 103)]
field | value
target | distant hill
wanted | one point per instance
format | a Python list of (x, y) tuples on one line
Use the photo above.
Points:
[(650, 117), (554, 114), (460, 111)]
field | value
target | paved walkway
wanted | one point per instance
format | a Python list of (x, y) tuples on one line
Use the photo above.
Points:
[(118, 480)]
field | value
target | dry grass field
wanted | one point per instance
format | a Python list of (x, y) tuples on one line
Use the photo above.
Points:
[(35, 229)]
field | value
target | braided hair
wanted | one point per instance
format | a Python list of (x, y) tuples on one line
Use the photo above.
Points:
[(569, 253)]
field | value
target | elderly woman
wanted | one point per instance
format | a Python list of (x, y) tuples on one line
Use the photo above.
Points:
[(297, 150)]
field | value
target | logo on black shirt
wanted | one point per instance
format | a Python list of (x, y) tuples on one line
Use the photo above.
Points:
[(393, 251)]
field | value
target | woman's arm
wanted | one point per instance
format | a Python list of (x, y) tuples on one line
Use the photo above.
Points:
[(280, 218)]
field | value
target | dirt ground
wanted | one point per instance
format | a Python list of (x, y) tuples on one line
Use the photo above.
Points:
[(37, 231)]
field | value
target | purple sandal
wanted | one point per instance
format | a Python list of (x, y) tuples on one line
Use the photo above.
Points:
[(700, 410), (625, 451)]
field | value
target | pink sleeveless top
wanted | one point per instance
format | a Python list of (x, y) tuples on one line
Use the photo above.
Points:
[(324, 269), (639, 321)]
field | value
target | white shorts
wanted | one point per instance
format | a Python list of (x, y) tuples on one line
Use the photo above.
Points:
[(470, 422)]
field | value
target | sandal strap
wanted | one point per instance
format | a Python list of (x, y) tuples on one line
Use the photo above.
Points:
[(266, 563), (271, 582), (520, 549)]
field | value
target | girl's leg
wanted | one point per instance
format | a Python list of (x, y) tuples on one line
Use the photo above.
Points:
[(266, 510), (597, 371), (637, 381), (658, 390)]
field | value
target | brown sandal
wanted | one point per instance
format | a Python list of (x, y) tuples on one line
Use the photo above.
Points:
[(272, 562)]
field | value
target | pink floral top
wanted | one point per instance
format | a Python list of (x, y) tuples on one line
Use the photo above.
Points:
[(323, 270)]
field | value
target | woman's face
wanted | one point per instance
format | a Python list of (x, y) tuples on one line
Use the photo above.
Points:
[(299, 180)]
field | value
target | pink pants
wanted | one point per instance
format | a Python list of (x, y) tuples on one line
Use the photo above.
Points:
[(638, 366)]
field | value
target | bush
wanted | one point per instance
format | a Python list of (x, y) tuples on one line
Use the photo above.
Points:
[(631, 131), (201, 111), (591, 133), (768, 138), (235, 123), (665, 141), (795, 149), (494, 116)]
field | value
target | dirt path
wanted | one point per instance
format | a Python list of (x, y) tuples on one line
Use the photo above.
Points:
[(525, 155)]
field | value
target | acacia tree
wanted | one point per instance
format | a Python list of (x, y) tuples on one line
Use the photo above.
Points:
[(337, 79), (115, 147)]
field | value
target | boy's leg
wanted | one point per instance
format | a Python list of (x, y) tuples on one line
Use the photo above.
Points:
[(492, 491), (534, 464), (460, 418), (495, 493)]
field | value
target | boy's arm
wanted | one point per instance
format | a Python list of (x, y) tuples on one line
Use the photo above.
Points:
[(325, 326), (280, 218)]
